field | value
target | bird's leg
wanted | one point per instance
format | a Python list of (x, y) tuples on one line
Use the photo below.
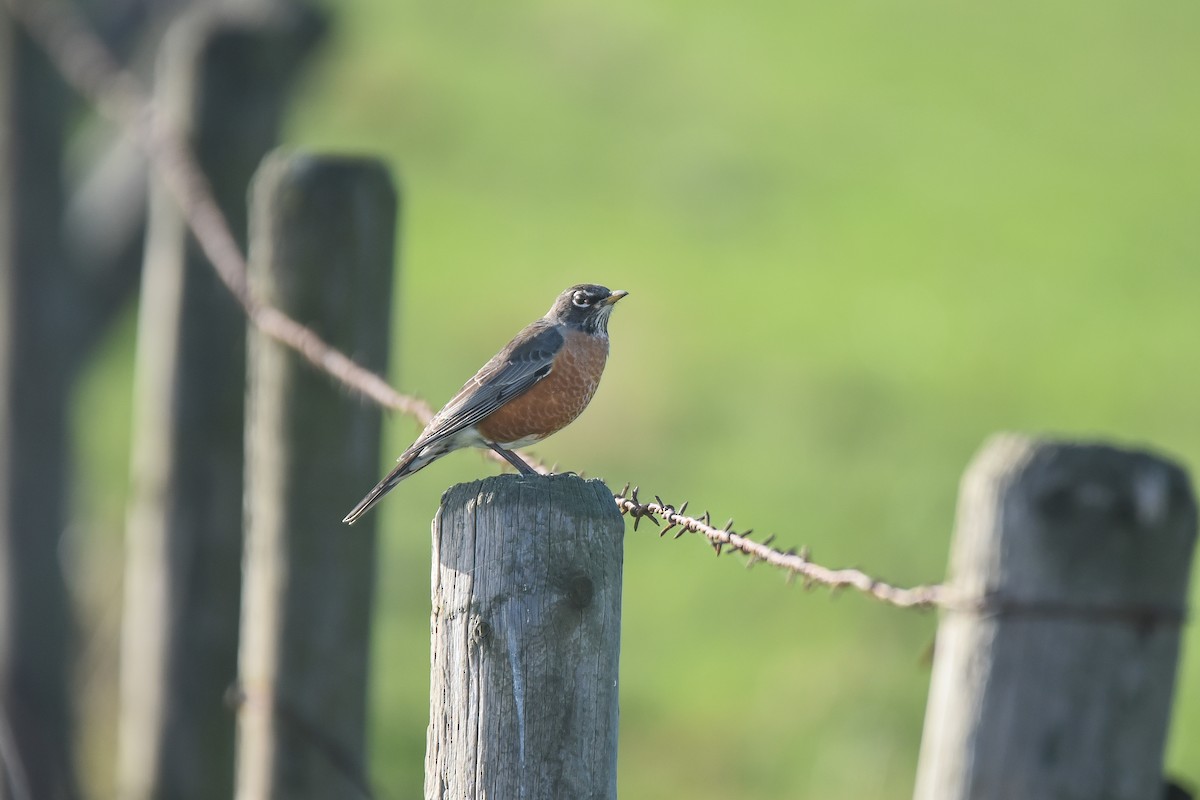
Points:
[(513, 459)]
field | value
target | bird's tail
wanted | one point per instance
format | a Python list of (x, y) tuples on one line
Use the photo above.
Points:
[(409, 463)]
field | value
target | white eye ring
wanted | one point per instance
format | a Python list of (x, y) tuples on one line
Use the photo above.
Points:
[(580, 300)]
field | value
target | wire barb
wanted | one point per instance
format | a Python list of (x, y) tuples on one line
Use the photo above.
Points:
[(796, 563)]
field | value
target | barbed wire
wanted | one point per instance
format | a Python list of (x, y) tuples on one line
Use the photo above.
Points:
[(86, 64), (795, 562)]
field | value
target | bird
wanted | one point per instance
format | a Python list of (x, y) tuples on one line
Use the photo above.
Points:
[(534, 387)]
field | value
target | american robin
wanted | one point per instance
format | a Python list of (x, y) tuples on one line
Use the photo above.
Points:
[(537, 385)]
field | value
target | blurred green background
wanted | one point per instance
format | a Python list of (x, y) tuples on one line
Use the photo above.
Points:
[(858, 237)]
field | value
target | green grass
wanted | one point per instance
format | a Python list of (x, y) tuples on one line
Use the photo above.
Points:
[(859, 238)]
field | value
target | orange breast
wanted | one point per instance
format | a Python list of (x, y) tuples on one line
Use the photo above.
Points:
[(556, 400)]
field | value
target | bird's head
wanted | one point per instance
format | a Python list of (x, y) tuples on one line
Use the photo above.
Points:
[(585, 306)]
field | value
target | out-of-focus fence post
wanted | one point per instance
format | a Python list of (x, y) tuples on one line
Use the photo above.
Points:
[(223, 80), (37, 369), (526, 639), (1054, 673), (322, 233)]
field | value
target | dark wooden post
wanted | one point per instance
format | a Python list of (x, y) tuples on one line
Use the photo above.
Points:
[(526, 639), (322, 233), (1054, 674), (222, 79), (37, 367)]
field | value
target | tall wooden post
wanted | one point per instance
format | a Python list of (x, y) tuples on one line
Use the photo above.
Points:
[(222, 80), (322, 234), (1054, 674), (526, 639), (37, 369)]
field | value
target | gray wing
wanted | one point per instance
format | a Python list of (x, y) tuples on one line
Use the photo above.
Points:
[(527, 359)]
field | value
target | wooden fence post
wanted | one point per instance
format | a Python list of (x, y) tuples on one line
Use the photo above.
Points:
[(1054, 672), (222, 80), (526, 639), (38, 343), (322, 234)]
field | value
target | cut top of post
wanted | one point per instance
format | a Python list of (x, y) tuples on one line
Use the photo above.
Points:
[(1085, 524)]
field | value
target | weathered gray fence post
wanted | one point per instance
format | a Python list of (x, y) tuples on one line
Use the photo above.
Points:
[(37, 370), (1053, 675), (223, 81), (526, 639), (322, 234)]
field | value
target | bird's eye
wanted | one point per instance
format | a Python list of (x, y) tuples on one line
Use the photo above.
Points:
[(581, 300)]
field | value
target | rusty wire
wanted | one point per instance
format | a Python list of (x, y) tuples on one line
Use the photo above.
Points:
[(795, 563), (86, 64)]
